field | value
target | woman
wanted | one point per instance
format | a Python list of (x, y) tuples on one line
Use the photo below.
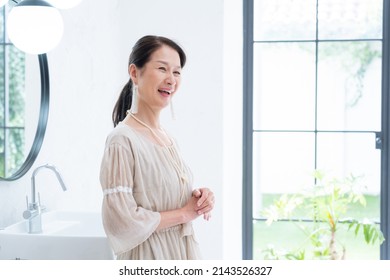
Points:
[(148, 202)]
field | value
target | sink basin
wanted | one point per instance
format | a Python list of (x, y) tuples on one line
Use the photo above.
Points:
[(65, 236)]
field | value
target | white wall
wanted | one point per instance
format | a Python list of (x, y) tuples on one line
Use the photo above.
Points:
[(87, 71), (232, 130)]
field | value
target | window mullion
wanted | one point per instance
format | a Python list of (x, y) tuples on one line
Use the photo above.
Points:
[(385, 152), (247, 222)]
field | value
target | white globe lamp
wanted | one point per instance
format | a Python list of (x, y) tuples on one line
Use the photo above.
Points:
[(64, 4), (34, 26), (3, 2)]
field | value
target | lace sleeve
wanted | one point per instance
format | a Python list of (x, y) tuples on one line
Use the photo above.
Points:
[(125, 224)]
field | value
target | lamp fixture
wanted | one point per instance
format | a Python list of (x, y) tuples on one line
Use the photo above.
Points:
[(64, 4), (35, 26), (3, 2)]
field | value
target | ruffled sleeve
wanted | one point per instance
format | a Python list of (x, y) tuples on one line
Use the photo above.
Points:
[(125, 223)]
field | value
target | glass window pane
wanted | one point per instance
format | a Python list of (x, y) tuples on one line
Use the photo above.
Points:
[(2, 24), (284, 86), (282, 163), (341, 154), (16, 81), (2, 88), (293, 90), (15, 150), (2, 152), (350, 19), (286, 236), (284, 20), (349, 86)]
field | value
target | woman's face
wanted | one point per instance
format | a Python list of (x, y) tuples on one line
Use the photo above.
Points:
[(159, 79)]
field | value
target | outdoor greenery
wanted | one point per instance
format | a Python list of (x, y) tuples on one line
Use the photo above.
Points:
[(327, 215)]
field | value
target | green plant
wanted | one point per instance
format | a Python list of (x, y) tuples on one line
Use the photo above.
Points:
[(321, 212)]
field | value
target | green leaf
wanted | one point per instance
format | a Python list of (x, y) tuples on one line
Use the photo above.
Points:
[(375, 238), (357, 229), (366, 231)]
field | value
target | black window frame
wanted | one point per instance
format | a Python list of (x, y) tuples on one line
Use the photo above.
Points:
[(384, 135)]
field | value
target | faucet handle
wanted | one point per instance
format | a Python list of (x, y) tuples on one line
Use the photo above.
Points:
[(41, 207), (29, 205), (27, 214)]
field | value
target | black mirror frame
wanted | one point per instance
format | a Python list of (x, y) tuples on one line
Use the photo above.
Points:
[(42, 122)]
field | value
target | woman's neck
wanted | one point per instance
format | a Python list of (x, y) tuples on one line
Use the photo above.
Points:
[(151, 119)]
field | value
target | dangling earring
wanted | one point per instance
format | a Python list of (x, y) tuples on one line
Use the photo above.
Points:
[(134, 102), (172, 110)]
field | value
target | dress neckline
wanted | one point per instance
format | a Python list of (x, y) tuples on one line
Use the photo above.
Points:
[(145, 137), (172, 153), (156, 136)]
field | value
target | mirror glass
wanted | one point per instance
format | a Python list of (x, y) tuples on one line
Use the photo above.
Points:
[(19, 107), (24, 93)]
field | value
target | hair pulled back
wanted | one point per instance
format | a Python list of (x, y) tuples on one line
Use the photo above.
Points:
[(140, 55)]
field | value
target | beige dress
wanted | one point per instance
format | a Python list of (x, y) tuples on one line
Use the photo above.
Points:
[(139, 179)]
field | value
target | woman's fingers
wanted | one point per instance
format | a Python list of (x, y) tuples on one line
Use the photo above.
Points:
[(196, 193), (206, 197), (207, 216), (205, 208), (205, 203)]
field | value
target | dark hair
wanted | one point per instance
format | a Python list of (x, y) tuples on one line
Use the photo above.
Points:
[(139, 56)]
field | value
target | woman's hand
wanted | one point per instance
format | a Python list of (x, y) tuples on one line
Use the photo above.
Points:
[(200, 203), (190, 210), (179, 216), (205, 202)]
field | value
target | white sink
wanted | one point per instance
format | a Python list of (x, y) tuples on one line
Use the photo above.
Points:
[(65, 236)]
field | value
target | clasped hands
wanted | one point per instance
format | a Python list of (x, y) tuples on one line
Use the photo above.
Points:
[(203, 202)]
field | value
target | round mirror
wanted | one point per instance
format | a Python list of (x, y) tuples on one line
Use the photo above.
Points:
[(23, 126)]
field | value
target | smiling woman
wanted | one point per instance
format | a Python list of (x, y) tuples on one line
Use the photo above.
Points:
[(149, 201)]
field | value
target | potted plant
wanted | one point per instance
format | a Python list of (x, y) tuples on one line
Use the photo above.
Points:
[(325, 206)]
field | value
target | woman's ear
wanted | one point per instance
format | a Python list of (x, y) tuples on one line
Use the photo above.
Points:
[(133, 72)]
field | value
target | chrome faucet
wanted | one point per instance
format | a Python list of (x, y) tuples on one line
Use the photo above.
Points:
[(34, 208)]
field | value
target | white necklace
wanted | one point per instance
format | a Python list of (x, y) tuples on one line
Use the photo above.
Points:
[(158, 138), (177, 163)]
